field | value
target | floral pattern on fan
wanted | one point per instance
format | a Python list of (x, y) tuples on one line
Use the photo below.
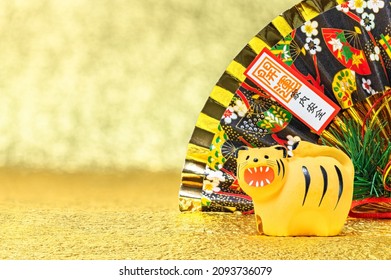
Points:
[(345, 52)]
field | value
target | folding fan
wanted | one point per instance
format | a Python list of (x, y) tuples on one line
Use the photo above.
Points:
[(320, 72)]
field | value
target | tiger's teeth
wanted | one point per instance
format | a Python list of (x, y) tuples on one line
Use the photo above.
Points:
[(260, 176)]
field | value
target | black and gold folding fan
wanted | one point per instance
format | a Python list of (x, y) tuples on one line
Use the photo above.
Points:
[(318, 71)]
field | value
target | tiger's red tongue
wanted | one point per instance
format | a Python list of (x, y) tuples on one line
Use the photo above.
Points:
[(259, 176)]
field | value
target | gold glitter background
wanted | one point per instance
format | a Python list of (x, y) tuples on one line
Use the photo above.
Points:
[(98, 100), (113, 84)]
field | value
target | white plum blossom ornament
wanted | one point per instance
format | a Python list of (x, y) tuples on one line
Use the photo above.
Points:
[(215, 176), (309, 28), (344, 7), (368, 21), (366, 84), (229, 115), (240, 108), (312, 45), (211, 187), (375, 56), (375, 5), (213, 180), (358, 5)]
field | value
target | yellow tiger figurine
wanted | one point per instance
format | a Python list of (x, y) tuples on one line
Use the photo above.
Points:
[(307, 194)]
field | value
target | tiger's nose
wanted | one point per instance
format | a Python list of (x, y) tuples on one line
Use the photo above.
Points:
[(255, 160)]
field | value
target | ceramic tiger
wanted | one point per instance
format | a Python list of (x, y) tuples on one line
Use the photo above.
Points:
[(307, 194)]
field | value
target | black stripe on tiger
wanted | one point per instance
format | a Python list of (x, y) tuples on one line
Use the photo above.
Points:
[(340, 181), (325, 183), (307, 179), (283, 168), (279, 168)]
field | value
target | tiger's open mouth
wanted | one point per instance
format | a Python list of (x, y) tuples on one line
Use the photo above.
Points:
[(259, 176)]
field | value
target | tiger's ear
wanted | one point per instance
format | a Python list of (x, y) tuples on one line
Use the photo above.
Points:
[(241, 148), (283, 149)]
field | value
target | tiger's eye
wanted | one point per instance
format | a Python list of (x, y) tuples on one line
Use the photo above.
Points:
[(247, 157)]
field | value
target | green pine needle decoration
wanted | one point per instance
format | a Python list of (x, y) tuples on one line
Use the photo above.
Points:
[(369, 156)]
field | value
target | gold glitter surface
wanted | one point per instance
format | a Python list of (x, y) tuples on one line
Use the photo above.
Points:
[(135, 216)]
